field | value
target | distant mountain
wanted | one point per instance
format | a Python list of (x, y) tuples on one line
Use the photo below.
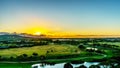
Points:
[(4, 33), (10, 37), (14, 36)]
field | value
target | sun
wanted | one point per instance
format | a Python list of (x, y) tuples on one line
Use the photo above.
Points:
[(37, 33)]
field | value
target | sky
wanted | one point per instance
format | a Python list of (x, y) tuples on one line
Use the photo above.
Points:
[(73, 17)]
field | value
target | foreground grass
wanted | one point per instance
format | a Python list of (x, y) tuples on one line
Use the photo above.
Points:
[(16, 65)]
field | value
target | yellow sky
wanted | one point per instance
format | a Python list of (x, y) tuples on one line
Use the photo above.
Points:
[(60, 17), (28, 23)]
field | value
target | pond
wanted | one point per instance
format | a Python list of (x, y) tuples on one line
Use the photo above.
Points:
[(43, 65), (61, 65)]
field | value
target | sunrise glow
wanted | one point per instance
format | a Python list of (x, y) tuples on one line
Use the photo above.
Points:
[(79, 18), (37, 33)]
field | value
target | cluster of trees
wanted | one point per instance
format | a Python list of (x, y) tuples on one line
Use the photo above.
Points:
[(22, 44), (71, 42), (24, 57), (82, 47), (36, 57), (95, 50), (96, 44), (109, 46), (61, 56), (68, 65), (102, 39), (102, 64)]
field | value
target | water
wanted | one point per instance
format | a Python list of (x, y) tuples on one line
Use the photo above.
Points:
[(39, 65), (61, 65)]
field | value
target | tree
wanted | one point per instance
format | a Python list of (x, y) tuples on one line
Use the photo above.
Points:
[(81, 47), (42, 57), (82, 66), (58, 42), (22, 57), (105, 64), (117, 66), (2, 58), (94, 66), (35, 54), (25, 55), (11, 58), (68, 65)]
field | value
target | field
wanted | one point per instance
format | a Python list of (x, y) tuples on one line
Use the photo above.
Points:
[(51, 50), (111, 43), (40, 50), (23, 53)]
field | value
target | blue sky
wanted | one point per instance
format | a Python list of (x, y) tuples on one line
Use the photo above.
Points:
[(89, 17)]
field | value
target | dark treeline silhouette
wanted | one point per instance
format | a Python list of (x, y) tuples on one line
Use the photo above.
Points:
[(71, 42)]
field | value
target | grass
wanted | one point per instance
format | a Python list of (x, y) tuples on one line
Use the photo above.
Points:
[(41, 50), (51, 50), (111, 43), (16, 65), (67, 52)]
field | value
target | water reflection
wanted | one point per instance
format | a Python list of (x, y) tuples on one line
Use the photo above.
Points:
[(61, 65)]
